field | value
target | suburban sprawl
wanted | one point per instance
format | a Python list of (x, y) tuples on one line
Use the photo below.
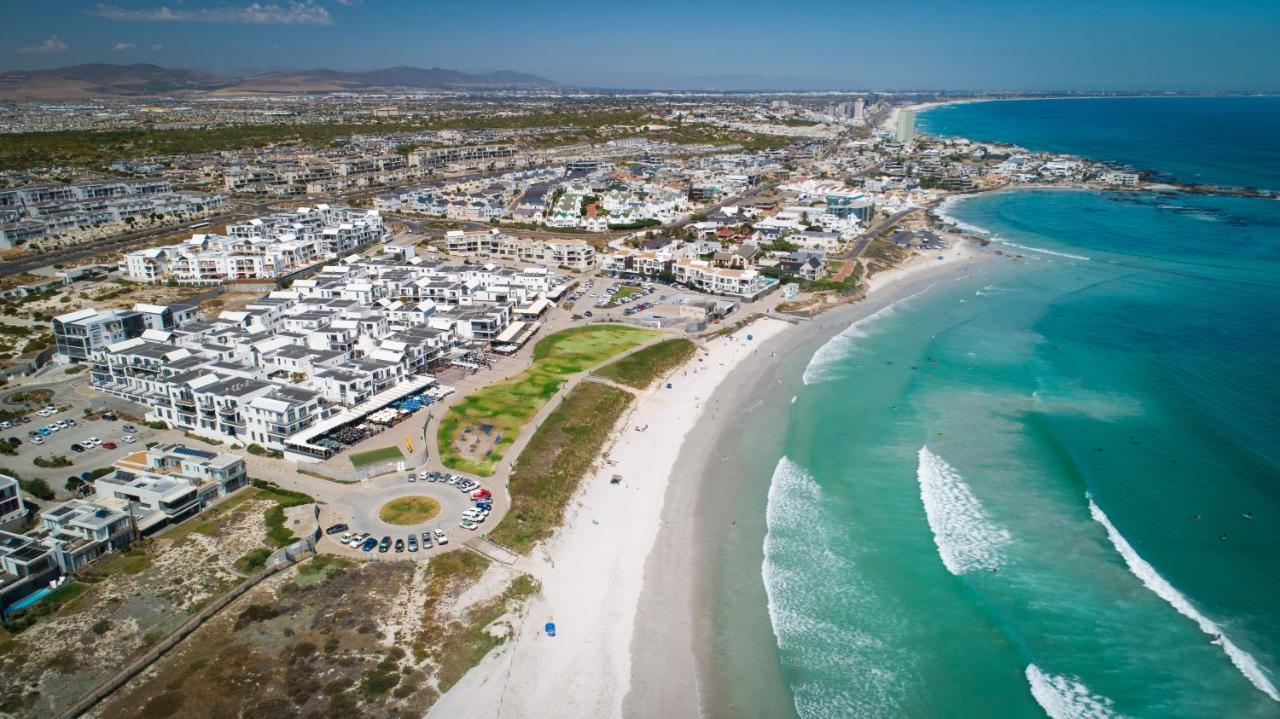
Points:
[(306, 392)]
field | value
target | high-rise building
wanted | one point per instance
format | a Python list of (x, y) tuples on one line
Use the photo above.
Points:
[(906, 130), (860, 111)]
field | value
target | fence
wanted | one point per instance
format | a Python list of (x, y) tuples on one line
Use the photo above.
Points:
[(282, 559)]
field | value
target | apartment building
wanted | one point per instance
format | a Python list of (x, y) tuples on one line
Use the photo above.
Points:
[(572, 254), (11, 507), (38, 211), (261, 249)]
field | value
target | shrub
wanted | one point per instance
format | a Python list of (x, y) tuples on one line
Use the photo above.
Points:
[(256, 613), (101, 626), (37, 488), (51, 462)]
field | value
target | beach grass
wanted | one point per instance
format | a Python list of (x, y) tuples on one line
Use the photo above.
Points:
[(409, 510), (548, 471), (477, 431), (639, 369), (374, 456)]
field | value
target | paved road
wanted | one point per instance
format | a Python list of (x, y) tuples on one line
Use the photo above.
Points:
[(117, 242)]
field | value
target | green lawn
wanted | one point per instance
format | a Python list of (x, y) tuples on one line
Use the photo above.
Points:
[(491, 418), (409, 510), (374, 456), (549, 469), (640, 369), (623, 292)]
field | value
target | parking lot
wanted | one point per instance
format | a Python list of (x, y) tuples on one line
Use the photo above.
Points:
[(76, 429), (359, 510)]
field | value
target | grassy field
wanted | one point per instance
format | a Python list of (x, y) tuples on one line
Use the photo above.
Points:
[(374, 456), (476, 432), (549, 469), (641, 368), (409, 510)]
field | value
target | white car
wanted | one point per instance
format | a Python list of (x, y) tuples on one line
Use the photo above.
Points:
[(346, 537), (473, 515), (358, 539), (37, 440), (129, 439), (93, 441), (52, 427), (441, 537)]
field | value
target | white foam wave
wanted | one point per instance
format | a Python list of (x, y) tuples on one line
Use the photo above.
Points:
[(1067, 698), (837, 348), (799, 539), (1140, 568), (943, 211), (966, 537), (1043, 251)]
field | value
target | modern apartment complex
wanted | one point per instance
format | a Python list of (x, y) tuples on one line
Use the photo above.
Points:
[(572, 254), (35, 212), (260, 249)]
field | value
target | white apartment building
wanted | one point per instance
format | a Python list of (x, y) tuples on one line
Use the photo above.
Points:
[(263, 248)]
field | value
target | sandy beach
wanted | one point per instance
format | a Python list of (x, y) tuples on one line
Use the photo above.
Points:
[(619, 579), (592, 572), (675, 636)]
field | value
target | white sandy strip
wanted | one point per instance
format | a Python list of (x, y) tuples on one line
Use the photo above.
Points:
[(592, 572), (958, 251)]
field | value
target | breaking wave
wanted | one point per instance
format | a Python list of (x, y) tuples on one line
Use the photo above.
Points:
[(821, 366), (1243, 661), (1043, 251), (805, 577), (966, 537), (1066, 698), (943, 212)]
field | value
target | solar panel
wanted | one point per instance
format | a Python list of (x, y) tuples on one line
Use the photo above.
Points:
[(194, 452)]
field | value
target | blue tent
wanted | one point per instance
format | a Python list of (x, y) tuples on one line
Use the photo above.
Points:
[(551, 629)]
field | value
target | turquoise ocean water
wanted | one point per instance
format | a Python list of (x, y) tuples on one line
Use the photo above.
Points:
[(1051, 486)]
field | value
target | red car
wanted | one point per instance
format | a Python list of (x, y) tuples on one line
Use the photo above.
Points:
[(109, 445), (481, 494)]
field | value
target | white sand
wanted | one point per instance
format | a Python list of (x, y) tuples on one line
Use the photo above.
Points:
[(923, 261), (592, 572)]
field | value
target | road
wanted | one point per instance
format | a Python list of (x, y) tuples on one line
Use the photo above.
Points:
[(864, 240), (107, 244)]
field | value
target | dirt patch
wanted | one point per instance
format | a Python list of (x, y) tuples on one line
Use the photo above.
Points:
[(133, 600), (333, 637)]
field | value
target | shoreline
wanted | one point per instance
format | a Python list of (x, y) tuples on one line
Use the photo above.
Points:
[(592, 571), (675, 646)]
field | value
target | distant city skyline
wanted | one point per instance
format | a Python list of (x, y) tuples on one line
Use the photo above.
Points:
[(912, 44)]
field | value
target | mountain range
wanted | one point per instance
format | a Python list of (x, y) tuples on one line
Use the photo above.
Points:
[(81, 82)]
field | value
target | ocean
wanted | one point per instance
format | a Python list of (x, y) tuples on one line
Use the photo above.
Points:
[(1050, 486)]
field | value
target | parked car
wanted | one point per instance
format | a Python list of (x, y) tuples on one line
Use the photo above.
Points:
[(77, 448), (336, 529), (109, 445), (426, 540), (15, 441), (346, 537), (399, 546), (385, 544), (70, 422), (369, 544), (412, 477), (358, 539), (441, 538), (481, 493), (129, 428), (93, 441), (468, 524), (109, 416), (37, 440), (33, 433), (129, 439)]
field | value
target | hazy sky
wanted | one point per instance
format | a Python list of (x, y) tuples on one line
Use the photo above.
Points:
[(901, 44)]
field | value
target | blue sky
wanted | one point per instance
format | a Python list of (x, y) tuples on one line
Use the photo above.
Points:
[(902, 44)]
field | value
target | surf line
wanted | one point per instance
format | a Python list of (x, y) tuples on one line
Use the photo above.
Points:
[(1143, 570)]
